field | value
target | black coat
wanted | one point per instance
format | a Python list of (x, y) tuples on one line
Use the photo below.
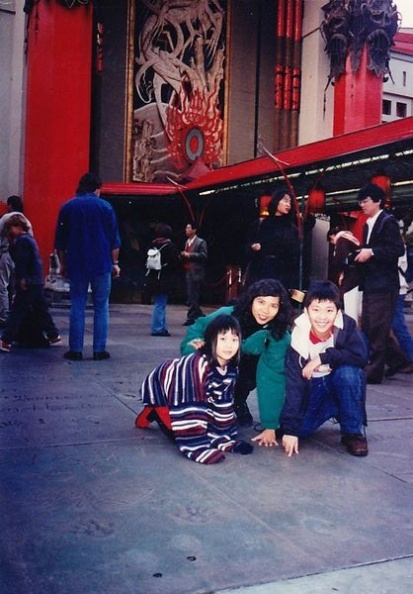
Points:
[(380, 274), (279, 255)]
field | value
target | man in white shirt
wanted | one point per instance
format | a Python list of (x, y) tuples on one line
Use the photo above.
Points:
[(382, 247)]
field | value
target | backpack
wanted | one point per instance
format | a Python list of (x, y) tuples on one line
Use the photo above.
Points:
[(153, 259)]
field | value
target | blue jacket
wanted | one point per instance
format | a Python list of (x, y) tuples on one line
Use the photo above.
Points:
[(349, 349), (87, 230), (27, 260)]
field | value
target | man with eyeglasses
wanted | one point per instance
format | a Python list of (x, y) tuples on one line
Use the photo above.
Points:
[(379, 255)]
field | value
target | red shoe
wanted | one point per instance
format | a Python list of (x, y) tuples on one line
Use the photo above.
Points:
[(160, 414), (145, 417)]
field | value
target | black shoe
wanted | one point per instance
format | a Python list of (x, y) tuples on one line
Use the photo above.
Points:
[(188, 323), (244, 417), (162, 333), (73, 355), (374, 380), (390, 371), (356, 444), (100, 355)]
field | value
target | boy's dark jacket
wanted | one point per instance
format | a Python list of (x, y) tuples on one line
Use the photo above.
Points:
[(349, 349)]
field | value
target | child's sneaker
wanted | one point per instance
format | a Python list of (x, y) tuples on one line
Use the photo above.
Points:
[(5, 346), (55, 341)]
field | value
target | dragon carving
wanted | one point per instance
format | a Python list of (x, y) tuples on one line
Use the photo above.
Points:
[(351, 25), (179, 62)]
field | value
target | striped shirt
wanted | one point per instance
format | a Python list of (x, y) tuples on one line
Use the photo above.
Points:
[(200, 402)]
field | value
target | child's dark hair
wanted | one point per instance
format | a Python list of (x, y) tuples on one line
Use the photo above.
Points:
[(219, 324), (323, 291), (266, 287)]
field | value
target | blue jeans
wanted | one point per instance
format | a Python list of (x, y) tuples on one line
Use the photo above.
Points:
[(159, 313), (100, 286), (340, 394), (401, 330)]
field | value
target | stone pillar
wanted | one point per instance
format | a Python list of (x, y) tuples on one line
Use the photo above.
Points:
[(357, 99), (58, 112)]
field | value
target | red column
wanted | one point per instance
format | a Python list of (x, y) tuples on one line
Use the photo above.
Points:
[(357, 99), (58, 111)]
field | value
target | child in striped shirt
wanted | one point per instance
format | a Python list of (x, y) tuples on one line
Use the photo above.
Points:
[(192, 398)]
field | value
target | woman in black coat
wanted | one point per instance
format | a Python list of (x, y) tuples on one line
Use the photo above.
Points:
[(276, 248), (160, 283)]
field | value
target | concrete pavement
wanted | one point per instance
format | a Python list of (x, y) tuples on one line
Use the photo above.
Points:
[(91, 505)]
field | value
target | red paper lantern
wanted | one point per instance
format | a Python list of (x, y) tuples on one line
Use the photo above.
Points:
[(316, 200), (263, 205), (383, 181)]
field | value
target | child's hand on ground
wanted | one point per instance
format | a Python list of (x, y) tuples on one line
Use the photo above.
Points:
[(266, 438), (290, 444)]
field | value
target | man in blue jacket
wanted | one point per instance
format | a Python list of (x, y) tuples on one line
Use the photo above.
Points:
[(87, 243), (324, 373)]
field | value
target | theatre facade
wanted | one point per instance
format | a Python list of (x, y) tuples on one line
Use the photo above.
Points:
[(196, 109)]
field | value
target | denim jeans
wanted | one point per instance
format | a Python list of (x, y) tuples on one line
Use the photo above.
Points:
[(159, 313), (340, 394), (100, 286), (400, 329)]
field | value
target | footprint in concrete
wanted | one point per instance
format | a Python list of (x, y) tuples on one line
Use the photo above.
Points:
[(94, 528)]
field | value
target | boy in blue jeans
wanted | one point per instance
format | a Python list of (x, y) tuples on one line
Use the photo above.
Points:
[(324, 373)]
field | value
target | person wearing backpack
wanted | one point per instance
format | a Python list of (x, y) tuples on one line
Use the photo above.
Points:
[(161, 281)]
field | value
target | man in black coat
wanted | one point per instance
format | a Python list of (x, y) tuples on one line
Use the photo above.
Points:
[(379, 255)]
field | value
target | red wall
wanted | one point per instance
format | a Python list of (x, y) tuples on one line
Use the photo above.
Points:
[(58, 112)]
